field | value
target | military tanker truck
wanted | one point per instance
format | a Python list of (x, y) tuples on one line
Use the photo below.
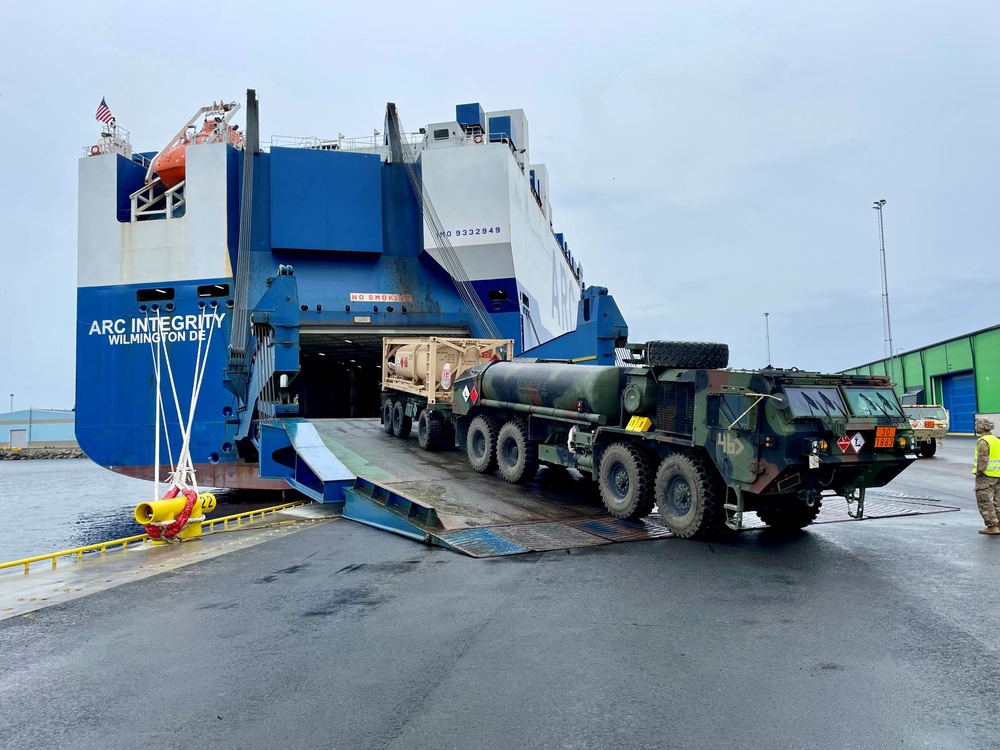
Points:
[(677, 431)]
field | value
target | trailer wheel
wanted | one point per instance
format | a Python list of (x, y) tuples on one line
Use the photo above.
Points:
[(517, 456), (401, 424), (625, 480), (789, 514), (695, 354), (429, 430), (689, 497), (481, 445), (929, 448), (387, 416)]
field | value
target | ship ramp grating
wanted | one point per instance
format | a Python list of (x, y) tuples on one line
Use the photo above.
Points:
[(619, 530), (894, 506), (480, 542), (514, 539), (544, 536)]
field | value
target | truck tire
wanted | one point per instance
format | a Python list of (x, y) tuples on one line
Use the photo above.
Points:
[(387, 416), (789, 515), (625, 480), (481, 445), (928, 448), (697, 354), (689, 497), (429, 429), (517, 457), (401, 424)]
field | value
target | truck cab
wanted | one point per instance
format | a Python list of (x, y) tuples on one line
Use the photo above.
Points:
[(930, 424)]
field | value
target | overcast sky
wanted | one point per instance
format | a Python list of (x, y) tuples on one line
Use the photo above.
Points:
[(709, 161)]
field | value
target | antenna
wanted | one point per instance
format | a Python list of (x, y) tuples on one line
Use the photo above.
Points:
[(767, 338), (886, 325)]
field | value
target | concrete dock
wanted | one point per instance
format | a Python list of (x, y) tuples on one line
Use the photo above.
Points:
[(878, 634)]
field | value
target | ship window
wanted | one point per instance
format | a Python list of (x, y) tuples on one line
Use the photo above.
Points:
[(498, 295), (524, 300), (214, 290), (154, 295), (440, 134)]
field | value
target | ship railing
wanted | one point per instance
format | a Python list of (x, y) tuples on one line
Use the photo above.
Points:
[(263, 358), (153, 202), (113, 140), (129, 542), (341, 142)]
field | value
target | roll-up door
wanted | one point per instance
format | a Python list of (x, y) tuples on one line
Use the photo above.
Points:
[(959, 395)]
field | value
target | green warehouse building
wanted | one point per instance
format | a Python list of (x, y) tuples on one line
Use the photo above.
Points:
[(962, 374)]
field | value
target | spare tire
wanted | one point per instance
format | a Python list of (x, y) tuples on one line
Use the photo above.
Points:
[(698, 354)]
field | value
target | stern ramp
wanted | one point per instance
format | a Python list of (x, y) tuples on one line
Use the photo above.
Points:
[(436, 498)]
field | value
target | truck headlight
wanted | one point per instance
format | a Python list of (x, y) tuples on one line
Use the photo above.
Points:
[(817, 447)]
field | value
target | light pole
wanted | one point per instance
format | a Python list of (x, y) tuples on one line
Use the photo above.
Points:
[(887, 326), (767, 338), (12, 402)]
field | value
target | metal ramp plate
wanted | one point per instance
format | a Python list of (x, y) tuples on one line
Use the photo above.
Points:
[(438, 498), (292, 450), (616, 530), (542, 537), (516, 539), (877, 505), (478, 543)]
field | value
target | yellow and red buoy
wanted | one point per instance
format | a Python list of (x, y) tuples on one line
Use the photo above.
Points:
[(171, 517)]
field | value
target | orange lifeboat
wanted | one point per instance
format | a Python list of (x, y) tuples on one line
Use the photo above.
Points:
[(169, 164)]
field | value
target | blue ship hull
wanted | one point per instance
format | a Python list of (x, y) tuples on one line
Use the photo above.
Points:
[(168, 275)]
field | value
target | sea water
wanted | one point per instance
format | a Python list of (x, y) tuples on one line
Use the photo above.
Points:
[(56, 504)]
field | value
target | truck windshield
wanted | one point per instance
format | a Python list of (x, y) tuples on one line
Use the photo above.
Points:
[(815, 402), (924, 412), (873, 402)]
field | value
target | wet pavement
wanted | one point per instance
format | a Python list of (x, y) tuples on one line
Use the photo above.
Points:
[(879, 634)]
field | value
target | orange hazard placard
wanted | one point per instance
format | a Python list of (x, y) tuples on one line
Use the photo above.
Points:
[(885, 437)]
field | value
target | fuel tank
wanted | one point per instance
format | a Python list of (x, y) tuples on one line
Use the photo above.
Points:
[(586, 388)]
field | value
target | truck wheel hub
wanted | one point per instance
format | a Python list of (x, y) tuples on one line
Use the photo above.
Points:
[(510, 452), (619, 481), (479, 445), (679, 496)]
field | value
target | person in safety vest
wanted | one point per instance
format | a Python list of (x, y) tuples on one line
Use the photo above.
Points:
[(987, 473)]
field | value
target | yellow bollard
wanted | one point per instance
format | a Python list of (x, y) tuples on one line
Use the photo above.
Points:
[(164, 511)]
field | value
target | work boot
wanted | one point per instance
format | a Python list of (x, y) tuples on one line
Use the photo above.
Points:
[(990, 530)]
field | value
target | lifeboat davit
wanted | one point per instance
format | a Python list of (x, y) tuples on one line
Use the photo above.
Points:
[(169, 164)]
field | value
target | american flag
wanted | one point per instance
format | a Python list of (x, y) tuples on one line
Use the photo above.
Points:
[(103, 113)]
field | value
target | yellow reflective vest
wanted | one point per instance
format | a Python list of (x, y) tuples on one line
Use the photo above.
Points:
[(993, 462)]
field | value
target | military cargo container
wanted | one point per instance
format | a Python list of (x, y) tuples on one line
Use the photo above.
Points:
[(417, 377)]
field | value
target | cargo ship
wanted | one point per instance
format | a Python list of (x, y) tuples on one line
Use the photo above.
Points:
[(231, 290)]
